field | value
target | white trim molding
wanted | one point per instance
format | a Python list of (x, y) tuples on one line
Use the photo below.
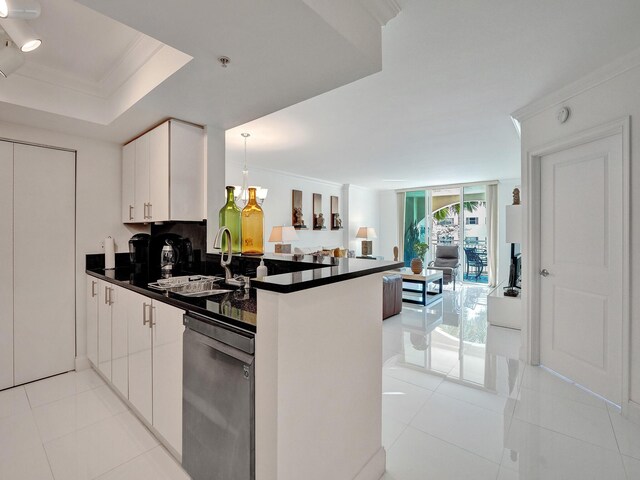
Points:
[(607, 72), (382, 10), (531, 245)]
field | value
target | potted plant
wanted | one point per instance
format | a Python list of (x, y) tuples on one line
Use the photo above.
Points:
[(417, 263)]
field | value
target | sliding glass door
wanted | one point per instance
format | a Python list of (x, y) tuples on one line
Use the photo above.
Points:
[(450, 216), (416, 222), (475, 234)]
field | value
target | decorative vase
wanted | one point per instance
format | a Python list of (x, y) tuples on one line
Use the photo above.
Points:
[(230, 217), (252, 226), (417, 265)]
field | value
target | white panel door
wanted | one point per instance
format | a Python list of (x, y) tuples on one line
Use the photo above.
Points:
[(581, 262), (44, 262), (141, 179), (6, 272), (128, 182), (122, 301), (159, 173), (105, 316), (92, 320), (140, 360), (167, 372)]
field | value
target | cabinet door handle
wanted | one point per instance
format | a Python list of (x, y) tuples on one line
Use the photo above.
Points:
[(150, 212), (106, 295), (152, 314), (144, 213), (144, 313), (93, 288), (110, 296), (130, 212)]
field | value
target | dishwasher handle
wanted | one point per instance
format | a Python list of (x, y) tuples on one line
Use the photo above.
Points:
[(190, 335), (233, 338)]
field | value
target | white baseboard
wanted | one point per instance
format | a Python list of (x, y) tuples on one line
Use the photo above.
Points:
[(375, 467), (82, 363)]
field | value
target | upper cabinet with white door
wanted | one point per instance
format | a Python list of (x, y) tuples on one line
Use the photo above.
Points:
[(163, 175)]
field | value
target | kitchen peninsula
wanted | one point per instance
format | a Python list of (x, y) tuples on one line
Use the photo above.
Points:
[(318, 347)]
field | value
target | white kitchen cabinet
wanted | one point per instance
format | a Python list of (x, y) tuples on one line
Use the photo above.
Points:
[(122, 301), (92, 320), (166, 182), (140, 356), (105, 311), (44, 260), (128, 183), (167, 372), (159, 185), (6, 272)]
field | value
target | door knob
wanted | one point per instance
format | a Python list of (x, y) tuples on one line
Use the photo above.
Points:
[(544, 272)]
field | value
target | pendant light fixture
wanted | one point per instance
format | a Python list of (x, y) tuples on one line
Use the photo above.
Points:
[(10, 59), (242, 192)]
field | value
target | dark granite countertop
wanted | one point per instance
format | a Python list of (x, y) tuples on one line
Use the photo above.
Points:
[(289, 273), (237, 308), (325, 270)]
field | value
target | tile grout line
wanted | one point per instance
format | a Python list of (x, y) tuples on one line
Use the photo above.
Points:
[(456, 446)]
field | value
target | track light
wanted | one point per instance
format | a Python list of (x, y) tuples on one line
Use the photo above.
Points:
[(25, 9), (10, 59), (21, 33)]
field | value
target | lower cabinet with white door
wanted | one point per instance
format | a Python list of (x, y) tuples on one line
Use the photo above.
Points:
[(135, 343)]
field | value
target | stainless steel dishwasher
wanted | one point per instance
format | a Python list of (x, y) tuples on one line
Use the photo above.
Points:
[(217, 401)]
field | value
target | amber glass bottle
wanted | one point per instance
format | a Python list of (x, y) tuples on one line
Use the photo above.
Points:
[(230, 218), (252, 226)]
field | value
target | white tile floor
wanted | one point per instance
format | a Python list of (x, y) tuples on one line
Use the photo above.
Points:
[(457, 404), (73, 426)]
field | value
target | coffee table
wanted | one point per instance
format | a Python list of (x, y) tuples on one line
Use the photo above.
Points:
[(422, 279)]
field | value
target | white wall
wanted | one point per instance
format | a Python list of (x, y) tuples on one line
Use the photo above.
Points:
[(98, 198), (277, 206), (610, 100), (215, 180), (388, 234), (505, 197), (363, 211)]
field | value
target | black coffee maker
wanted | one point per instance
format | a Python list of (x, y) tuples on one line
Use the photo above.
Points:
[(139, 253)]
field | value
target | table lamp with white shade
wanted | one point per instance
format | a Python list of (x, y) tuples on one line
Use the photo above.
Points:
[(367, 245), (281, 235)]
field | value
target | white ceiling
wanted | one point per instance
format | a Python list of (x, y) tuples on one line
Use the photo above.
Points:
[(438, 112), (74, 40)]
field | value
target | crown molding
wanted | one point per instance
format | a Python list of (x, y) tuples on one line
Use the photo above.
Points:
[(603, 74), (382, 10)]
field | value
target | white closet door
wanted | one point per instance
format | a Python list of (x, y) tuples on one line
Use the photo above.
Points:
[(44, 262), (6, 272)]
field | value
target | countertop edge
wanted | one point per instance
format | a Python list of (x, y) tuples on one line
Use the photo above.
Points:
[(174, 302), (296, 287)]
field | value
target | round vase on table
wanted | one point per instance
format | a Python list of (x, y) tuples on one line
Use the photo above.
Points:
[(417, 265)]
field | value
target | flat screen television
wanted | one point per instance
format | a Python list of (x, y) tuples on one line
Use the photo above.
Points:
[(515, 270)]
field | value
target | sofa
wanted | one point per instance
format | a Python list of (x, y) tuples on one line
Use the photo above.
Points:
[(391, 295)]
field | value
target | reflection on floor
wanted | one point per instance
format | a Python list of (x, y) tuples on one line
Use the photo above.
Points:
[(458, 404)]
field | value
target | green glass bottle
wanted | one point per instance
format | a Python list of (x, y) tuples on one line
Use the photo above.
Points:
[(230, 218)]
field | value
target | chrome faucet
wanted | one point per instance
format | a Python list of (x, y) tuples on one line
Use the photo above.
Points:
[(225, 258)]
